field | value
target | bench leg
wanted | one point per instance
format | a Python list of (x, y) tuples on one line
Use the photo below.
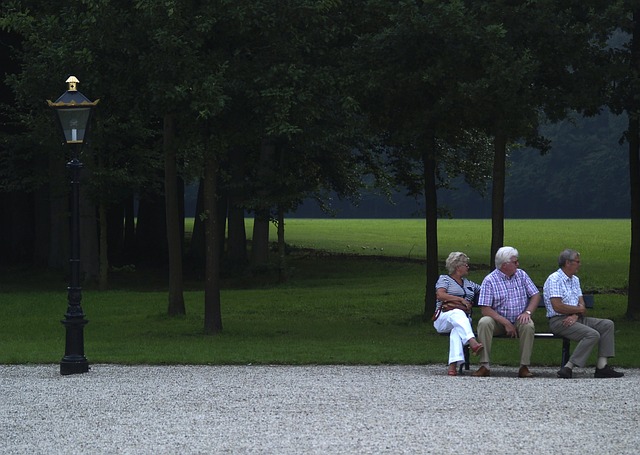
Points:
[(465, 350), (566, 351)]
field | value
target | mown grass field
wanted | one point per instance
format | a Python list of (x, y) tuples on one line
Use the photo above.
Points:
[(361, 307), (604, 244)]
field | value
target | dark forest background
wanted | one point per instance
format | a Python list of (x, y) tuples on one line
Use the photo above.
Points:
[(584, 175), (273, 109)]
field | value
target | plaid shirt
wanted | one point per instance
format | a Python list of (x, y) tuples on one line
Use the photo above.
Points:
[(508, 296), (560, 285)]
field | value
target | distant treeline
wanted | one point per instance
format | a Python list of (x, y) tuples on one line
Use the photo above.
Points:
[(585, 175)]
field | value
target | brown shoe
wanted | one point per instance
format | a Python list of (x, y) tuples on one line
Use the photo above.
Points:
[(483, 372), (524, 372)]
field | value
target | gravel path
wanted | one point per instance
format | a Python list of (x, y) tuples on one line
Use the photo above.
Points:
[(314, 410)]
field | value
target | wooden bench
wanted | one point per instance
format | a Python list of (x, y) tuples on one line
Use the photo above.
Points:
[(566, 343)]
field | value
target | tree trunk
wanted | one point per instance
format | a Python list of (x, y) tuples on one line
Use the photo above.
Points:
[(633, 295), (237, 240), (282, 266), (17, 235), (103, 282), (173, 219), (41, 227), (151, 230), (129, 240), (222, 200), (89, 244), (212, 310), (114, 231), (431, 217), (260, 242), (497, 196), (197, 245)]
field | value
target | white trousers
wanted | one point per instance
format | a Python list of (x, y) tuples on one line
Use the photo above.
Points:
[(457, 324)]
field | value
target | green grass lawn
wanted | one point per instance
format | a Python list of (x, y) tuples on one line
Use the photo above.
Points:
[(333, 309), (604, 244)]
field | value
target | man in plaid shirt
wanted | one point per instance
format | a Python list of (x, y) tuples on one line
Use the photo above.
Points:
[(566, 311), (507, 300)]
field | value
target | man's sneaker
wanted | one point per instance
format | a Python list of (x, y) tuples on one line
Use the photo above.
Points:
[(607, 372), (565, 373)]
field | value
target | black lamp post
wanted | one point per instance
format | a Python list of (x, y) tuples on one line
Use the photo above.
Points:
[(74, 112)]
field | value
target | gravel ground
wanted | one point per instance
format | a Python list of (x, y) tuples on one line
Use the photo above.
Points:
[(314, 410)]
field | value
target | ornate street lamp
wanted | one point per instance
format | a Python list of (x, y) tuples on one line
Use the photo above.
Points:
[(74, 112)]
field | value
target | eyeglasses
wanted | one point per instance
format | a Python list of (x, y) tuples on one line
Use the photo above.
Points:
[(514, 262), (577, 261)]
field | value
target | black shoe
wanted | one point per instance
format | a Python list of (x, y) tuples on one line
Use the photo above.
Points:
[(565, 373), (607, 372)]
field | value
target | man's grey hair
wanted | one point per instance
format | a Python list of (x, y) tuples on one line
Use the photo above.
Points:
[(567, 255), (455, 260), (504, 255)]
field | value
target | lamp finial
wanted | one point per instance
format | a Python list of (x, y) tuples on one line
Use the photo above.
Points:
[(73, 82)]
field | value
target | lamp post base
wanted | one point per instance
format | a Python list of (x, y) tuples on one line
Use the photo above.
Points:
[(74, 361), (74, 366)]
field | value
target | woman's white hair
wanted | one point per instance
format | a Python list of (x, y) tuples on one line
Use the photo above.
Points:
[(504, 255), (455, 260)]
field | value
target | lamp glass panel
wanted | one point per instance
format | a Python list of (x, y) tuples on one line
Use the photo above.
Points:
[(74, 123)]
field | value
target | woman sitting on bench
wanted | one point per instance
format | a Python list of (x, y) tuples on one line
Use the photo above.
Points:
[(454, 298)]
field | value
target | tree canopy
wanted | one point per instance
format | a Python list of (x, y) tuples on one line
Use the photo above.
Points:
[(273, 102)]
